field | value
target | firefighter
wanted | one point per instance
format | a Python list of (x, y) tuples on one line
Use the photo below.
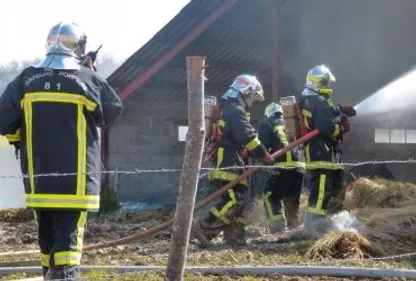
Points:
[(284, 185), (237, 134), (322, 152), (52, 110)]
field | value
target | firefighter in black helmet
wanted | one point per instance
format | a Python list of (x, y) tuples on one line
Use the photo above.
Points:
[(322, 152), (285, 185), (237, 134), (53, 110)]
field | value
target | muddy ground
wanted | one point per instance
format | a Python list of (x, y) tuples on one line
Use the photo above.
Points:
[(262, 248)]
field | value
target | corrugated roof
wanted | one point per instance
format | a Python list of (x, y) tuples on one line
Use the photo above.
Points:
[(237, 42), (191, 15)]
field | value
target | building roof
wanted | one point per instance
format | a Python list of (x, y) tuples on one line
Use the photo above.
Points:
[(233, 35)]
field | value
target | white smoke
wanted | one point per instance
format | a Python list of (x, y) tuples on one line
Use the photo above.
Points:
[(345, 221), (317, 226)]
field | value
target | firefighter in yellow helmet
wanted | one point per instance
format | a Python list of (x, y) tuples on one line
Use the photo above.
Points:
[(322, 152), (285, 185), (52, 110), (236, 134)]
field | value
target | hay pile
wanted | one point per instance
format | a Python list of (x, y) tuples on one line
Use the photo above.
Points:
[(343, 245), (386, 210), (378, 193)]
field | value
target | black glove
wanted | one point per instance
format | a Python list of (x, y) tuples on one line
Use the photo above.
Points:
[(88, 62)]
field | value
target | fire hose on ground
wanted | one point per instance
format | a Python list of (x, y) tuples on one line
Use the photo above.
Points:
[(242, 270), (164, 226)]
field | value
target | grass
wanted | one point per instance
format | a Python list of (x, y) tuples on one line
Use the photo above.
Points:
[(16, 215), (101, 275), (216, 257)]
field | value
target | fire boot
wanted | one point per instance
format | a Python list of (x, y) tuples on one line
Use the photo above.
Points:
[(291, 208), (336, 203), (205, 231), (277, 225), (71, 273), (44, 271), (234, 234)]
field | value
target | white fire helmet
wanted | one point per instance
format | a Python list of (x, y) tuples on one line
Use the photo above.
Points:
[(249, 87), (65, 46)]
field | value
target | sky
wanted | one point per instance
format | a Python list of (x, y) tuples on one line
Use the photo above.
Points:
[(122, 26)]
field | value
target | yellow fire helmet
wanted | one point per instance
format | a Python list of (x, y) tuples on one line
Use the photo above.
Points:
[(319, 79), (272, 109)]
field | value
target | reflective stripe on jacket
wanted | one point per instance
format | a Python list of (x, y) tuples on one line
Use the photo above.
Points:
[(272, 134), (54, 115), (236, 133), (319, 112)]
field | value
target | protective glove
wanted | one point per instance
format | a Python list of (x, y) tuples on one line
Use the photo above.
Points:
[(267, 159), (296, 153), (345, 124), (348, 110), (244, 154), (89, 63)]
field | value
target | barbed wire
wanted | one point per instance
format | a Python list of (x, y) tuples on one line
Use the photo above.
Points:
[(137, 171)]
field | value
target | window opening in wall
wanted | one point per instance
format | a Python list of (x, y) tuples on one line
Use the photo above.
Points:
[(381, 136), (394, 136), (410, 136), (397, 136), (182, 131)]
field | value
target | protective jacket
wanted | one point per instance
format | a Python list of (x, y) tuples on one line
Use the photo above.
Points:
[(319, 112), (272, 134), (236, 134), (54, 115)]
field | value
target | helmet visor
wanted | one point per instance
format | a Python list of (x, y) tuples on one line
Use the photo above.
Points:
[(258, 96)]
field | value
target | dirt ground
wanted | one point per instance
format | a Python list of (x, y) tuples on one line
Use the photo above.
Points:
[(262, 248)]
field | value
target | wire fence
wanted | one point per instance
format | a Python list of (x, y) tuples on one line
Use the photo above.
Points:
[(137, 171)]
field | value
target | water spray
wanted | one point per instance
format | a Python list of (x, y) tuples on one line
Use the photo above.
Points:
[(398, 94)]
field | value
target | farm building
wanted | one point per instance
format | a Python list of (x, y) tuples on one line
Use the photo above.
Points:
[(365, 43)]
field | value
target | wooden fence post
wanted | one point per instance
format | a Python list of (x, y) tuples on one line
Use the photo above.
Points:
[(182, 221)]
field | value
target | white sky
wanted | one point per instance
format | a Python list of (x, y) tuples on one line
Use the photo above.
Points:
[(122, 26)]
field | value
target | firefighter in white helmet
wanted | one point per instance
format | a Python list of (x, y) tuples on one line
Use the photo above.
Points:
[(53, 110), (285, 185), (236, 134), (322, 152)]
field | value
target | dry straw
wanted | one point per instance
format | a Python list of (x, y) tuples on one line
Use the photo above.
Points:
[(343, 245)]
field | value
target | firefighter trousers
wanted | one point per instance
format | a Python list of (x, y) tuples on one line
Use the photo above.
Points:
[(326, 192), (226, 216), (60, 236), (286, 187)]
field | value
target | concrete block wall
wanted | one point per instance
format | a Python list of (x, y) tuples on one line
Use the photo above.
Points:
[(145, 137)]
